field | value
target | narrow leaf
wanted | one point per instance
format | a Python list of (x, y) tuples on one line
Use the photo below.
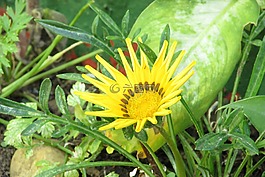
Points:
[(125, 23), (44, 94), (72, 76), (246, 142), (148, 52), (34, 127), (253, 108), (164, 36), (260, 27), (94, 25), (258, 72), (13, 108), (74, 33), (107, 20), (61, 101)]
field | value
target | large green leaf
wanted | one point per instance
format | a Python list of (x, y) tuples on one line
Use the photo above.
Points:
[(210, 31)]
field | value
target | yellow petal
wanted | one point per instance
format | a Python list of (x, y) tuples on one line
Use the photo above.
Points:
[(117, 75), (140, 125), (170, 103), (105, 113)]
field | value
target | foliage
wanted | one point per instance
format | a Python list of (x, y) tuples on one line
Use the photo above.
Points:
[(11, 23), (223, 136)]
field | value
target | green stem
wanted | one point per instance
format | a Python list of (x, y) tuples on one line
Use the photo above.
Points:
[(3, 121), (61, 67), (98, 135), (260, 162), (155, 158), (60, 169), (192, 117), (241, 166), (174, 148), (245, 54), (53, 143), (29, 65)]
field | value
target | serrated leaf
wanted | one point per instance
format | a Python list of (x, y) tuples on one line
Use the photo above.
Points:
[(75, 33), (13, 108), (211, 141), (258, 72), (47, 130), (246, 142), (13, 133), (44, 94), (253, 108), (61, 101), (107, 20)]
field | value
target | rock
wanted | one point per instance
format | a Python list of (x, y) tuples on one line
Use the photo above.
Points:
[(21, 166)]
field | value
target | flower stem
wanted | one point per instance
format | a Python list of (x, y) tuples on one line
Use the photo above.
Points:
[(192, 117), (153, 160), (174, 148)]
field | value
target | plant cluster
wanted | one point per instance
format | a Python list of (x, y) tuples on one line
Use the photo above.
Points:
[(218, 143)]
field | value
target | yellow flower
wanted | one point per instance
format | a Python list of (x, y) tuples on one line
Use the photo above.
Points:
[(141, 95)]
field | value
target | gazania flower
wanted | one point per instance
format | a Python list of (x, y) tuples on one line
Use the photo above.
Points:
[(143, 93)]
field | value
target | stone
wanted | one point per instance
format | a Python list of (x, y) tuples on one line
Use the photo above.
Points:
[(21, 166)]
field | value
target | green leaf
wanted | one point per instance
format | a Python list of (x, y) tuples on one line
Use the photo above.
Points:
[(13, 108), (210, 32), (128, 132), (211, 141), (73, 77), (47, 129), (107, 20), (61, 101), (34, 127), (112, 174), (74, 33), (258, 72), (253, 108), (148, 52), (125, 23), (234, 119), (142, 135), (164, 36), (246, 142), (44, 94), (260, 27), (14, 131), (94, 26)]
